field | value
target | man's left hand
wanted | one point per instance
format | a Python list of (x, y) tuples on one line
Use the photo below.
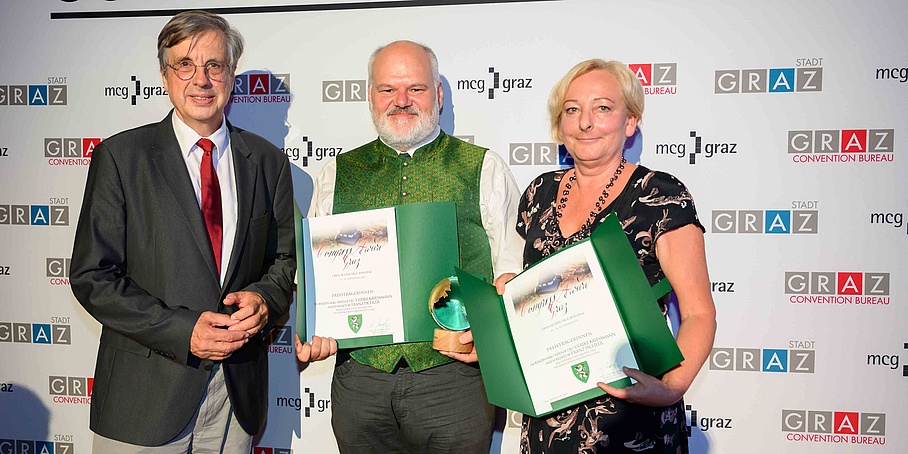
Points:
[(465, 338), (252, 311)]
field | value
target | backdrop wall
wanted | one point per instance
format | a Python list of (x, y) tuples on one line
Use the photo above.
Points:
[(785, 119)]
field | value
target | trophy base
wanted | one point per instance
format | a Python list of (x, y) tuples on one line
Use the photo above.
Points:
[(449, 341)]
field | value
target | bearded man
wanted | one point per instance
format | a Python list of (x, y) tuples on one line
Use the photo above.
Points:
[(409, 397)]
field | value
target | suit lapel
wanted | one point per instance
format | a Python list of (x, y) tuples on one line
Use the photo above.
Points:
[(171, 168), (246, 171)]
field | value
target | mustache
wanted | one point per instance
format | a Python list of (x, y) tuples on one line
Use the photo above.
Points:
[(398, 110)]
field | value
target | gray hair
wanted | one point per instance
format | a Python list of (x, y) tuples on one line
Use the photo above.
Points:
[(189, 24), (436, 76)]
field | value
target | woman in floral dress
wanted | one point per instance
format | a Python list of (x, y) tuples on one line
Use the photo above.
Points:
[(594, 108)]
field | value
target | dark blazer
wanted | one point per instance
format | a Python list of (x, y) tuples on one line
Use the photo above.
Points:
[(142, 266)]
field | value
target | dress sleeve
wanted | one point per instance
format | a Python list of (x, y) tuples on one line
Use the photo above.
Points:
[(528, 207), (671, 201)]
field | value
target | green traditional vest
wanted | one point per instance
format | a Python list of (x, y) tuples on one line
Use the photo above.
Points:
[(446, 169)]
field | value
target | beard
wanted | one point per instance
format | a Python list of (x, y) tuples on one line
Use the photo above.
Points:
[(385, 125)]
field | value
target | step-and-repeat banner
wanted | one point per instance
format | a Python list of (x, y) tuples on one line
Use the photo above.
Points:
[(787, 120)]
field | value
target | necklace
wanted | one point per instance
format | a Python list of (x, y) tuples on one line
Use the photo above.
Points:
[(600, 204)]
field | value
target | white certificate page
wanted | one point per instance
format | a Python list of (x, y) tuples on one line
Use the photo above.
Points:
[(567, 331), (356, 275)]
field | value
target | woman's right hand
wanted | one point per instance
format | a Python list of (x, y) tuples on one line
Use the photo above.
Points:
[(648, 390)]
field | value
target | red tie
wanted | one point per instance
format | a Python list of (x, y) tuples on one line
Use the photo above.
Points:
[(211, 200)]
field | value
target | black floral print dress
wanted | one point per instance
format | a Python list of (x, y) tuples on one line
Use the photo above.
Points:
[(651, 204)]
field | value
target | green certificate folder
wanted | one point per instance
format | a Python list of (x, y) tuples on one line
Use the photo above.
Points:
[(648, 335), (427, 252)]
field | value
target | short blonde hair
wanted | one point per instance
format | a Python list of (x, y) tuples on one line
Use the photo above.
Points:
[(631, 90)]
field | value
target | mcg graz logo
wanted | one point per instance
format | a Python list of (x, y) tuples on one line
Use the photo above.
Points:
[(708, 149), (140, 91), (498, 83), (310, 151)]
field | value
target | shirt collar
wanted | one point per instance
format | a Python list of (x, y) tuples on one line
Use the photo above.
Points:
[(187, 137), (425, 141)]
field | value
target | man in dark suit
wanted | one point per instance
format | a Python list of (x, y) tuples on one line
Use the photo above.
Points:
[(184, 252)]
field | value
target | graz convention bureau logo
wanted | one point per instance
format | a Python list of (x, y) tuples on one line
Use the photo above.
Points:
[(657, 78), (816, 426), (494, 83), (70, 390), (281, 340), (838, 287), (801, 358), (269, 450), (265, 87), (53, 93), (807, 76), (134, 90), (69, 151), (57, 270), (57, 332), (841, 145), (708, 150), (54, 214)]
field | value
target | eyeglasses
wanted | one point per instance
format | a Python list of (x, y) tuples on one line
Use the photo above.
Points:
[(185, 70)]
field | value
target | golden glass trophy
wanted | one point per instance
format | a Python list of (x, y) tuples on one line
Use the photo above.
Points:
[(449, 313)]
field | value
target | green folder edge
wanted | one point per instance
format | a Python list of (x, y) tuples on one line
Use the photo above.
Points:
[(650, 338), (427, 252), (300, 323)]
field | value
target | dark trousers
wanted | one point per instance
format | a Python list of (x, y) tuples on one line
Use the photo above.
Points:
[(438, 410)]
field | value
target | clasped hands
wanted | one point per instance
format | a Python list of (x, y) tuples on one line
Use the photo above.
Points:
[(216, 336)]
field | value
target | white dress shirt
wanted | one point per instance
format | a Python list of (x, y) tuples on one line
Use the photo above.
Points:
[(222, 158), (498, 194)]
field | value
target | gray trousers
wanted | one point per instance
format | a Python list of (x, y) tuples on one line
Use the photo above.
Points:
[(438, 410), (212, 430)]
